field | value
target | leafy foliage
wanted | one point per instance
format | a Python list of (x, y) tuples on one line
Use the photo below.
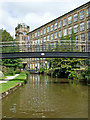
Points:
[(63, 67), (15, 63), (42, 70), (67, 37), (6, 36), (8, 42), (73, 35), (11, 66), (86, 73)]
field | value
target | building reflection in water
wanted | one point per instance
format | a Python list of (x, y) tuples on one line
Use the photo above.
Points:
[(37, 97)]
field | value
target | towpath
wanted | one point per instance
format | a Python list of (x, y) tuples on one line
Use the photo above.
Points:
[(8, 78)]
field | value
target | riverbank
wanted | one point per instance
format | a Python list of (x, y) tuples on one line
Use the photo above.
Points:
[(12, 84), (7, 78)]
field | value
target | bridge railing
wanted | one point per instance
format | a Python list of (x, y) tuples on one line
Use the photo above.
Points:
[(64, 46)]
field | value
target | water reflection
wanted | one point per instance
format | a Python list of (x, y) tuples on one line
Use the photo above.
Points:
[(41, 98)]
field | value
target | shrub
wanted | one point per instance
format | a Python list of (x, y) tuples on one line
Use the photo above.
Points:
[(42, 70), (9, 71), (86, 75), (17, 71)]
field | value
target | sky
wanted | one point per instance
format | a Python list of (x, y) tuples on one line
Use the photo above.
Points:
[(34, 13)]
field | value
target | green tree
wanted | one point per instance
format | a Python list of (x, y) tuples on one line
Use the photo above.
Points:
[(86, 72), (10, 64), (73, 35), (65, 44), (6, 37), (9, 42), (58, 47), (64, 67), (73, 38), (67, 37), (49, 48), (15, 63), (62, 39)]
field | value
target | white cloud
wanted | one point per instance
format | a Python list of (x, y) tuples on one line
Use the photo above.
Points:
[(33, 12)]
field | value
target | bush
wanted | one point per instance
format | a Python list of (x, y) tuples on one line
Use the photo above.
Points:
[(42, 70), (9, 71), (86, 75), (17, 71)]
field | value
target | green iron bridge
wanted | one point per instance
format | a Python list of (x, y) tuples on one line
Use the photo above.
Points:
[(22, 50), (45, 55)]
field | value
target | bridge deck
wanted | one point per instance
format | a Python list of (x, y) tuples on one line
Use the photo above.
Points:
[(45, 55)]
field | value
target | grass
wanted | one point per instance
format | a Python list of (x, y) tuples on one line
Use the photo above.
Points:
[(12, 83), (6, 86), (22, 76), (2, 78)]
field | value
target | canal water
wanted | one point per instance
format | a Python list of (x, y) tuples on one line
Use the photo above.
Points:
[(45, 97)]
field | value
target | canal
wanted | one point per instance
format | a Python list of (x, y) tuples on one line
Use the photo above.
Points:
[(45, 97)]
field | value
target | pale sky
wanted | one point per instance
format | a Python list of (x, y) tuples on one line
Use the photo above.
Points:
[(34, 13)]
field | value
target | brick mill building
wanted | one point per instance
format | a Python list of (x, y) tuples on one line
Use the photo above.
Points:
[(51, 32)]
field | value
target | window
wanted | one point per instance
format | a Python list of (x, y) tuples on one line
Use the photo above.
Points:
[(76, 38), (48, 38), (24, 38), (32, 49), (33, 42), (51, 36), (35, 34), (88, 24), (41, 40), (82, 26), (76, 28), (70, 20), (76, 17), (48, 29), (38, 33), (55, 27), (33, 65), (44, 47), (38, 41), (88, 11), (56, 35), (65, 32), (44, 39), (60, 24), (51, 27), (64, 22), (35, 49), (30, 37), (44, 30), (56, 43), (41, 32), (52, 45), (70, 30), (82, 37), (82, 14), (83, 48), (60, 33), (88, 36)]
